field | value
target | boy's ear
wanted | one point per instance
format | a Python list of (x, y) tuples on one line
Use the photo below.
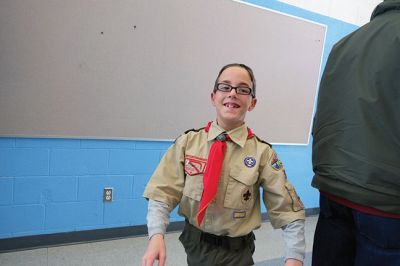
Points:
[(212, 97), (253, 104)]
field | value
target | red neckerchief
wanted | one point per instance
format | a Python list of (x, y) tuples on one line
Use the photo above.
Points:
[(213, 170)]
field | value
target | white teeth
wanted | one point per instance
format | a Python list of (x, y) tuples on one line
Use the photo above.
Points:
[(231, 105)]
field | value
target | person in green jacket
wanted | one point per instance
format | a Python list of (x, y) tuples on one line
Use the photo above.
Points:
[(356, 146)]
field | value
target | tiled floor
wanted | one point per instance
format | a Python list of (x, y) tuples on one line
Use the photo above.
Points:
[(128, 251)]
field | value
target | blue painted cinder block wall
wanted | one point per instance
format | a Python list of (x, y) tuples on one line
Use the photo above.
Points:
[(56, 185)]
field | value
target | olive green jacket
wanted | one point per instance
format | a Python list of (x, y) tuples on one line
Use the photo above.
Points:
[(356, 131)]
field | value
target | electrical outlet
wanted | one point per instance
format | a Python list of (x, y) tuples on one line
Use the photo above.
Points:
[(108, 194)]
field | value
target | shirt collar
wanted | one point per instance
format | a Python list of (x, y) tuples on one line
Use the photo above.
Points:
[(238, 135)]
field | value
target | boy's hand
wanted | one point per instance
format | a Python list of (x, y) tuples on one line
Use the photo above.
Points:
[(155, 251), (293, 262)]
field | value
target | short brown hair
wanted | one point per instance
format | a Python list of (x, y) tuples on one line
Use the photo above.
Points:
[(248, 69)]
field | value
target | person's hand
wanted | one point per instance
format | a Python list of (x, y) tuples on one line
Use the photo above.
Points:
[(293, 262), (155, 251)]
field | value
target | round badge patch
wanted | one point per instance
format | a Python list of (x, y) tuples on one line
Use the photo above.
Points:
[(249, 162)]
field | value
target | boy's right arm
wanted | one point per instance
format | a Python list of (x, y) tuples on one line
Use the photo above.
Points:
[(157, 222), (164, 192), (155, 251), (157, 217)]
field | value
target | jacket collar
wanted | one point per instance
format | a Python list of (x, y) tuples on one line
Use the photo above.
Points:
[(385, 6)]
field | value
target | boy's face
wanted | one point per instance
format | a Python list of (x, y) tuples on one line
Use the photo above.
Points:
[(232, 107)]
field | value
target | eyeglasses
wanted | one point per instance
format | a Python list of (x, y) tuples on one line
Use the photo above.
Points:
[(227, 88)]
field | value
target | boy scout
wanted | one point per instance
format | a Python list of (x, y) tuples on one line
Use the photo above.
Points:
[(214, 174)]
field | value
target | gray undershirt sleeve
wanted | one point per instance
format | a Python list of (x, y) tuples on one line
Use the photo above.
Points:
[(157, 217), (294, 240)]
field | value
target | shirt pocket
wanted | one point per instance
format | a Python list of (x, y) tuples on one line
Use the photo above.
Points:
[(193, 186), (242, 189)]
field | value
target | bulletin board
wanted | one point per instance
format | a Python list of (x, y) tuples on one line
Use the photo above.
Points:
[(144, 69)]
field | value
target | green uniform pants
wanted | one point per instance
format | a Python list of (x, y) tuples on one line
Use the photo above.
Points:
[(203, 249)]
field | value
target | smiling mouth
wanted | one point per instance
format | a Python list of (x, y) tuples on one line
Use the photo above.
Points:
[(231, 105)]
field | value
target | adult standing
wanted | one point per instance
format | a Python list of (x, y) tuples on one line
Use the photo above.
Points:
[(356, 146)]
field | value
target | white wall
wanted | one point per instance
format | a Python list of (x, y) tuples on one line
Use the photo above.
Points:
[(357, 12)]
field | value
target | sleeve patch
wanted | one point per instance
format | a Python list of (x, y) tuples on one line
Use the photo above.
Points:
[(276, 164)]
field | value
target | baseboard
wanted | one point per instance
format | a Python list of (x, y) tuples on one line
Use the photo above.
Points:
[(67, 238)]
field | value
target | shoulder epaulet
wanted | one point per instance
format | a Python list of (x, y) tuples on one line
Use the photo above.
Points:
[(263, 141), (195, 130), (187, 131)]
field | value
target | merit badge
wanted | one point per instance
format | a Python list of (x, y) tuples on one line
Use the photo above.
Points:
[(249, 162), (276, 163), (194, 165), (246, 195)]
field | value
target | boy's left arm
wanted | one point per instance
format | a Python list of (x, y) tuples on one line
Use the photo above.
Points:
[(293, 262), (285, 209), (294, 241)]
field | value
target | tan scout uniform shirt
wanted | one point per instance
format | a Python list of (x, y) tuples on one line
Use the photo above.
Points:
[(248, 165)]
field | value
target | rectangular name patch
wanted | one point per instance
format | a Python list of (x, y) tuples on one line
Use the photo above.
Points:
[(239, 214)]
